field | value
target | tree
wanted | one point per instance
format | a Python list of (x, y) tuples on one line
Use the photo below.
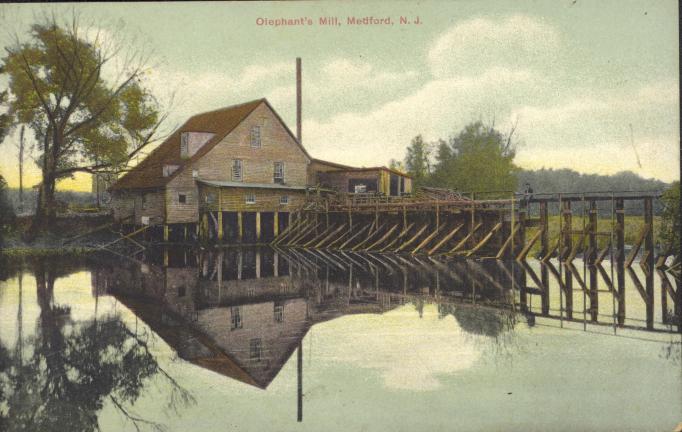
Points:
[(20, 155), (480, 158), (82, 121), (670, 219), (417, 161), (6, 210)]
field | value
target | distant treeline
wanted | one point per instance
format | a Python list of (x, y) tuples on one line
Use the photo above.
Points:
[(567, 180), (70, 198)]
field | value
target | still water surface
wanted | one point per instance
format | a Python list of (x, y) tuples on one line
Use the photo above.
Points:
[(264, 339)]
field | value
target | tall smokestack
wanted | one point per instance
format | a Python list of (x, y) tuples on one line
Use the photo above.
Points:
[(298, 100)]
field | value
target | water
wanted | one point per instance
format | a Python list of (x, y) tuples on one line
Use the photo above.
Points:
[(259, 339)]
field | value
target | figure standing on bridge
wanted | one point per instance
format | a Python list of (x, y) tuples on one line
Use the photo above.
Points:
[(527, 194)]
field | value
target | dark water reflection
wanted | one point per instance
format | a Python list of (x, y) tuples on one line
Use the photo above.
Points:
[(92, 360)]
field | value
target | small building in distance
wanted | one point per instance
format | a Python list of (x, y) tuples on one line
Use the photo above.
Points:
[(235, 174), (347, 179)]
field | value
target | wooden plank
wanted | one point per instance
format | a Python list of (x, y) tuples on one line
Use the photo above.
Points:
[(336, 231), (412, 239), (607, 279), (574, 271), (395, 240), (462, 242), (111, 243), (602, 254), (426, 241), (317, 237), (551, 252), (507, 242), (638, 285), (442, 241), (369, 237), (304, 234), (556, 274), (286, 231), (533, 276), (383, 238), (354, 236), (637, 245), (576, 247), (524, 252), (485, 239)]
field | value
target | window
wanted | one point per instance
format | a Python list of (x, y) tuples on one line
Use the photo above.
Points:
[(144, 201), (360, 188), (181, 291), (251, 199), (236, 318), (279, 173), (255, 137), (182, 198), (279, 312), (168, 170), (211, 198), (256, 349), (284, 199), (237, 170)]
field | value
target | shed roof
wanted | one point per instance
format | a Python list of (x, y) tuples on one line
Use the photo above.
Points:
[(149, 172)]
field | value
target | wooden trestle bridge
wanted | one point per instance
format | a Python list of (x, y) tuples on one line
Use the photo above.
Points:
[(446, 224)]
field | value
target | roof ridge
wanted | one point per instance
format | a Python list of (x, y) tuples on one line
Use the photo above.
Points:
[(224, 109)]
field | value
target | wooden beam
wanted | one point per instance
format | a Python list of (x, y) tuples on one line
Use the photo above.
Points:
[(412, 239), (602, 254), (576, 246), (426, 240), (505, 245), (635, 248), (524, 252), (395, 240), (533, 276), (317, 237), (466, 238), (574, 271), (638, 285), (336, 231), (304, 234), (257, 227), (362, 230), (551, 251), (369, 237), (383, 238), (240, 227), (442, 241), (289, 230), (275, 224)]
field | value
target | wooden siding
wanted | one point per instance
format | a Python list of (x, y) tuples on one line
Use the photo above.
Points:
[(267, 200), (122, 205), (258, 163)]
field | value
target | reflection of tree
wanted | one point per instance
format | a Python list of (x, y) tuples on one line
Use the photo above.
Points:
[(72, 369)]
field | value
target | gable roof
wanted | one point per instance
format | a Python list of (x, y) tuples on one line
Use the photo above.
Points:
[(149, 173)]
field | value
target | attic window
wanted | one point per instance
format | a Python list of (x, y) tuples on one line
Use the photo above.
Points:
[(191, 142), (255, 137), (168, 170)]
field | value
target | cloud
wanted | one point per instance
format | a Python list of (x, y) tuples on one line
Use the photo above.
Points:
[(474, 45), (406, 360)]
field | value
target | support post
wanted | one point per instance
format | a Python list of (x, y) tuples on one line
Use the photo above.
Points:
[(240, 227), (648, 263), (257, 227), (620, 258), (275, 224), (567, 217), (165, 232)]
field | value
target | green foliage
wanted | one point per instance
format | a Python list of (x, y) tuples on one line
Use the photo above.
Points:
[(417, 161), (669, 231), (82, 122), (477, 149), (6, 210)]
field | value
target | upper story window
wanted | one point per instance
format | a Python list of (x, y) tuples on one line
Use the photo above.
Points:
[(235, 318), (278, 176), (255, 137), (284, 199), (256, 349), (182, 198), (250, 199), (237, 170), (279, 312)]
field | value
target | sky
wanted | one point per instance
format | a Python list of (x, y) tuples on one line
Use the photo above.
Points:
[(591, 85)]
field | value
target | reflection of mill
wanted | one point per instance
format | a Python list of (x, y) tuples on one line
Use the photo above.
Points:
[(243, 312)]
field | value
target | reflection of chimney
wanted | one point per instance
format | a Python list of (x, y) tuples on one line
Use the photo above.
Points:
[(298, 100)]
